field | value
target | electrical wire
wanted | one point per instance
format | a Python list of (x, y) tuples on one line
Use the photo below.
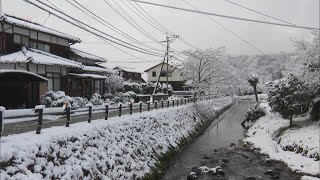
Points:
[(252, 10), (129, 19), (109, 25), (83, 28), (135, 10), (229, 30), (225, 16)]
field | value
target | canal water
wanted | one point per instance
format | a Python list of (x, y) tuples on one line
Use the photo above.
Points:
[(221, 133)]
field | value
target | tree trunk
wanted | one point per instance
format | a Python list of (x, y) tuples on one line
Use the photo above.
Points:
[(290, 121), (255, 93)]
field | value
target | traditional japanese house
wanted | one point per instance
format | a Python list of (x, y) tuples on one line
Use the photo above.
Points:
[(35, 59), (89, 79)]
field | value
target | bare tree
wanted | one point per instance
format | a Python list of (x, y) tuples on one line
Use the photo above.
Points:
[(208, 70)]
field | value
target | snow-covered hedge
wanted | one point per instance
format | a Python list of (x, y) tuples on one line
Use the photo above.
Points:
[(127, 147)]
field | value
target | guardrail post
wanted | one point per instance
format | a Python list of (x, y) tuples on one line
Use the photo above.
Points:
[(120, 109), (156, 104), (194, 99), (90, 114), (173, 103), (168, 104), (148, 105), (140, 107), (107, 112), (2, 109), (162, 104), (68, 117), (39, 110), (130, 108), (185, 101)]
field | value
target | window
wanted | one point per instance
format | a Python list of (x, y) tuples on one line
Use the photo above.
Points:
[(154, 73), (136, 74), (17, 39), (43, 47), (46, 48), (164, 74), (129, 74), (98, 86), (33, 45), (53, 81), (25, 40), (40, 46)]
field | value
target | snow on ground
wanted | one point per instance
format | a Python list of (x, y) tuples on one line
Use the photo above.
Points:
[(262, 135), (124, 147), (306, 138), (309, 178)]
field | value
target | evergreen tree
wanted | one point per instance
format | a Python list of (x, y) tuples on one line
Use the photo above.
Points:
[(289, 96)]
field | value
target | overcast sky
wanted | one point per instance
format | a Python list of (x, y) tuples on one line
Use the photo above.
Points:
[(197, 29)]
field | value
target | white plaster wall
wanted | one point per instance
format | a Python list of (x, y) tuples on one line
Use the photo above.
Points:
[(175, 74)]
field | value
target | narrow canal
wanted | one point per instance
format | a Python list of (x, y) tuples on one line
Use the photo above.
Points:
[(221, 133)]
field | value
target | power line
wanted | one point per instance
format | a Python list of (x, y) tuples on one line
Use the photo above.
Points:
[(226, 16), (252, 10), (81, 23), (224, 27), (160, 25), (83, 28), (129, 19), (107, 24), (142, 16)]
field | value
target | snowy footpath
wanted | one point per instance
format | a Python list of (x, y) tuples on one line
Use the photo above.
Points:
[(127, 147), (296, 146)]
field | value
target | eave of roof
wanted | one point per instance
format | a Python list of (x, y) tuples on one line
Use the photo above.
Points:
[(87, 55), (84, 75), (97, 69), (38, 57), (38, 27), (156, 66)]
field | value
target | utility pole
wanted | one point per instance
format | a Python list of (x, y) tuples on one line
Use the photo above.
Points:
[(169, 40)]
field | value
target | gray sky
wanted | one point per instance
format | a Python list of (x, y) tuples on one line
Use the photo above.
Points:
[(195, 28)]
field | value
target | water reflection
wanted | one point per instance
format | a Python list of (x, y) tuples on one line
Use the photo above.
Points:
[(223, 131)]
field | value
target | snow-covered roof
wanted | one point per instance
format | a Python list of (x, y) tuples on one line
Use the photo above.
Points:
[(159, 65), (38, 57), (128, 69), (97, 69), (35, 26), (5, 71), (84, 75), (87, 55)]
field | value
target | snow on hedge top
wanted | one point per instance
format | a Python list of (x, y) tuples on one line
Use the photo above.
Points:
[(124, 147), (35, 26), (38, 57)]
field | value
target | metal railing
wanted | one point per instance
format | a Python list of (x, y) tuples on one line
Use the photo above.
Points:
[(119, 110)]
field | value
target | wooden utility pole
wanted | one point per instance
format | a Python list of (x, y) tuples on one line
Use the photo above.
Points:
[(168, 41)]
